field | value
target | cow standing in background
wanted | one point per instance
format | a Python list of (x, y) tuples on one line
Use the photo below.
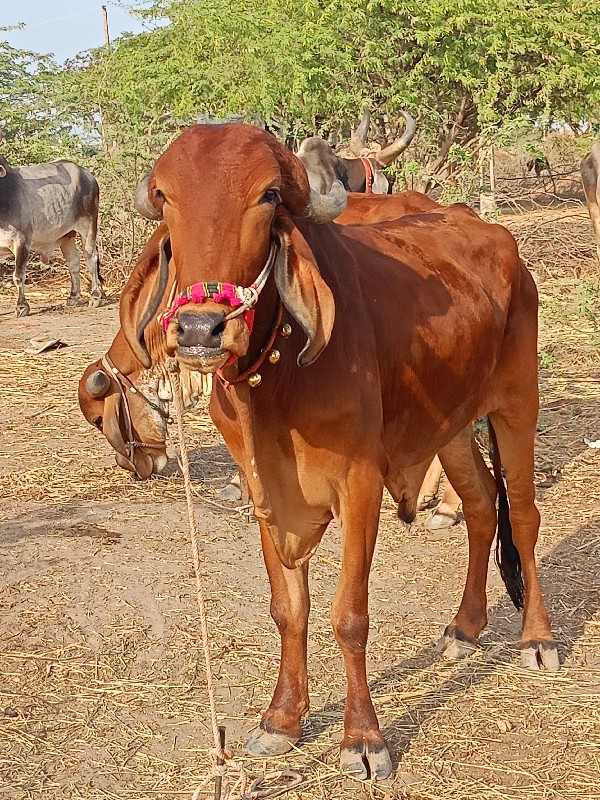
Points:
[(590, 179), (43, 207), (360, 173)]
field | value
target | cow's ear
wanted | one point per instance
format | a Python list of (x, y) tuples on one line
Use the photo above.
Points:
[(144, 293), (303, 291), (2, 171)]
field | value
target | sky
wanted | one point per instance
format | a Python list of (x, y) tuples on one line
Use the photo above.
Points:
[(64, 27)]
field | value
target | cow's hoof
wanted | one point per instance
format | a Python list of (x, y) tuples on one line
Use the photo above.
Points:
[(535, 655), (437, 521), (23, 311), (454, 644), (364, 760), (73, 300), (230, 493), (428, 501), (95, 302), (263, 743)]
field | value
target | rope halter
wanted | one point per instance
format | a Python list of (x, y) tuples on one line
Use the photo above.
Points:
[(123, 383), (242, 299)]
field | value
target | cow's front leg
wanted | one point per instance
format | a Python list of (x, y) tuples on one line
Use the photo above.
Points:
[(21, 253), (290, 605), (430, 485), (363, 750)]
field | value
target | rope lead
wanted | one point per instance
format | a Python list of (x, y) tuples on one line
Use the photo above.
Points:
[(221, 761)]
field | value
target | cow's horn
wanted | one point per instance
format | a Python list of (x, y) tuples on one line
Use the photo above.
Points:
[(389, 154), (97, 383), (141, 201), (326, 207), (358, 142)]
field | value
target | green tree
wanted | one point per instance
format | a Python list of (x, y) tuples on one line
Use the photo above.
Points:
[(33, 125), (465, 68)]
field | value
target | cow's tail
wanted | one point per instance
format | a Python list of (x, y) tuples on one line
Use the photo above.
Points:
[(507, 555)]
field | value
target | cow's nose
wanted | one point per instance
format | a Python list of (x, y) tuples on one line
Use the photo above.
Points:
[(200, 330)]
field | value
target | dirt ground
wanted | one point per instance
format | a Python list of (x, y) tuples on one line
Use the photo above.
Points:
[(102, 690)]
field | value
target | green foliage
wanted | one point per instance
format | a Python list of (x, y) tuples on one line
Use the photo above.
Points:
[(472, 74), (313, 64), (32, 123)]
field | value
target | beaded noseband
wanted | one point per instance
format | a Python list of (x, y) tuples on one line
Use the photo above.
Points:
[(242, 299)]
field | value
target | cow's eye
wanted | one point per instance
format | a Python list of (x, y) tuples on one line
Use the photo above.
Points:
[(98, 423), (271, 196)]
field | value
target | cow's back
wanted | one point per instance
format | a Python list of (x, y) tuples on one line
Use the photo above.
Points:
[(56, 196), (421, 302)]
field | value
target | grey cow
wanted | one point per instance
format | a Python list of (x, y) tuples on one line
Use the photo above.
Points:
[(360, 173), (43, 207)]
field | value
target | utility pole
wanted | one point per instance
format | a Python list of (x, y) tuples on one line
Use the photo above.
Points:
[(106, 34)]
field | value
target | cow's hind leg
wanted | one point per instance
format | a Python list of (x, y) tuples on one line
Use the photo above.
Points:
[(475, 485), (591, 187), (21, 253), (290, 605), (71, 253), (515, 444), (88, 232), (363, 751)]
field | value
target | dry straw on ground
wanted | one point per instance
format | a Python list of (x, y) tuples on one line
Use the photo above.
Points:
[(102, 690)]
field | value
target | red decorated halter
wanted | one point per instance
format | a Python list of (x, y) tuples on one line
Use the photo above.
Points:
[(242, 299), (368, 175)]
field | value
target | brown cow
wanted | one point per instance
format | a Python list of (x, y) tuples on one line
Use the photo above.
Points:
[(590, 179), (363, 171), (137, 425), (133, 414), (347, 357)]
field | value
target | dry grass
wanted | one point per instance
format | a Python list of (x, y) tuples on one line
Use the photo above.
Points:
[(102, 689)]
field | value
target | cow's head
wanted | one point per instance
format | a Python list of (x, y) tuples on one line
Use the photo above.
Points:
[(230, 196), (323, 165), (387, 155), (5, 167), (129, 410)]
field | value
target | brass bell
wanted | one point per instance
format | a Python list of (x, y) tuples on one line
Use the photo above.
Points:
[(274, 356), (254, 380), (286, 330)]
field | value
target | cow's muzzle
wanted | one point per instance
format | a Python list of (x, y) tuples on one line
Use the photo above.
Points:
[(204, 330), (207, 338), (199, 338)]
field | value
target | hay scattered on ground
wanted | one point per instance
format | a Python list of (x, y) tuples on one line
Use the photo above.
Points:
[(103, 694)]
